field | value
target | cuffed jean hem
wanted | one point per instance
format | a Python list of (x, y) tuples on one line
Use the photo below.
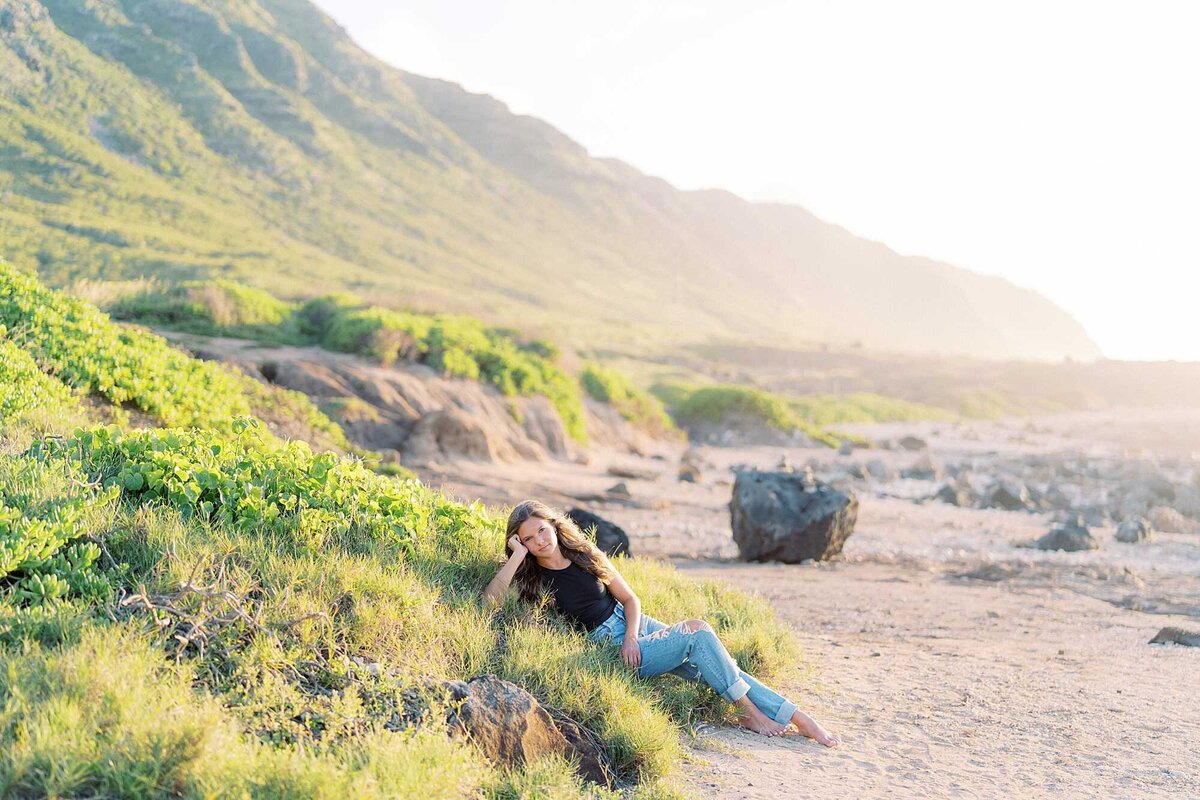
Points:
[(784, 715), (737, 690)]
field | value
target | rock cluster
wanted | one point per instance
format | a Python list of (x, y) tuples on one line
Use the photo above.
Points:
[(1103, 491)]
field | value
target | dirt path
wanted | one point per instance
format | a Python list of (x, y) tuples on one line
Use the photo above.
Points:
[(943, 687)]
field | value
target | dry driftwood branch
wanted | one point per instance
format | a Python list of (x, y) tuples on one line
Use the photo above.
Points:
[(195, 613)]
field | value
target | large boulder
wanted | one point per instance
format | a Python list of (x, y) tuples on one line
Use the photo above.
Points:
[(775, 517), (1173, 635), (1132, 531), (453, 434), (1168, 520), (1069, 536), (925, 468), (507, 724), (1008, 495), (955, 493), (880, 470), (609, 538)]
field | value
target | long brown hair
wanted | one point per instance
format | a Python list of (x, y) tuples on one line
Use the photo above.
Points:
[(575, 546)]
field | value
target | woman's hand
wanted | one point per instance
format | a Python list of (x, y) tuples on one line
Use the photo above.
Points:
[(631, 654), (494, 591), (519, 550)]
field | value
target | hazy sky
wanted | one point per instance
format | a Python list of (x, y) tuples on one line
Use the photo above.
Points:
[(1054, 143)]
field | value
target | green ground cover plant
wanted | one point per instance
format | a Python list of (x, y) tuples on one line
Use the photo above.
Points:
[(82, 348), (205, 612), (24, 387)]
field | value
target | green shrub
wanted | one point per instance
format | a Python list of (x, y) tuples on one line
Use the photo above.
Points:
[(716, 404), (251, 483), (377, 333), (639, 407), (671, 394), (456, 362), (210, 307), (314, 316)]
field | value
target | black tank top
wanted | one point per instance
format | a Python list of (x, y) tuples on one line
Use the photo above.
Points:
[(579, 594)]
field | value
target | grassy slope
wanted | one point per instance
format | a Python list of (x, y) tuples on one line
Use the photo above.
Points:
[(275, 575)]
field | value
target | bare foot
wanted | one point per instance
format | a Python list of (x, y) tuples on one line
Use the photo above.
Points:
[(759, 722), (810, 728)]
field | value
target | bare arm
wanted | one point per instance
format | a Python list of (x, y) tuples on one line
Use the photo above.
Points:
[(619, 589), (493, 594)]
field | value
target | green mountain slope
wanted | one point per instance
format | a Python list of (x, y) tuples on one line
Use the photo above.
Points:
[(255, 141)]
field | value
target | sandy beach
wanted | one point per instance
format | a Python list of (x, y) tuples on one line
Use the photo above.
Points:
[(954, 660)]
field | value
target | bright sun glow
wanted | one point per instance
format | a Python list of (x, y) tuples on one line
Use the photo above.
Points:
[(1054, 144)]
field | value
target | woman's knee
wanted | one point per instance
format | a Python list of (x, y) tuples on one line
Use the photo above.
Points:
[(695, 625), (705, 638)]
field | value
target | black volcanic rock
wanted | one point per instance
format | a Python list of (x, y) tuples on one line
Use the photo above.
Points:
[(781, 516), (1070, 536), (609, 537)]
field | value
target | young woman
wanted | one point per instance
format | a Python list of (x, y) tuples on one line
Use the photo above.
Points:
[(547, 551)]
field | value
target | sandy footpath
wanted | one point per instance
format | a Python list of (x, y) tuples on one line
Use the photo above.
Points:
[(954, 661), (944, 687)]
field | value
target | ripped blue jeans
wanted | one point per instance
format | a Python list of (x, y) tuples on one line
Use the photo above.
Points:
[(693, 655)]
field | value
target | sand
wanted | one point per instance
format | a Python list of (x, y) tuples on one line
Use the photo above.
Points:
[(952, 661)]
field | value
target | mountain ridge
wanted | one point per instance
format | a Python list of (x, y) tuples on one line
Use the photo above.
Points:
[(258, 142)]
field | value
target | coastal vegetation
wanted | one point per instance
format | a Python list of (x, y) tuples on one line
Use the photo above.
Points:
[(207, 609), (636, 405), (454, 345), (716, 407)]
